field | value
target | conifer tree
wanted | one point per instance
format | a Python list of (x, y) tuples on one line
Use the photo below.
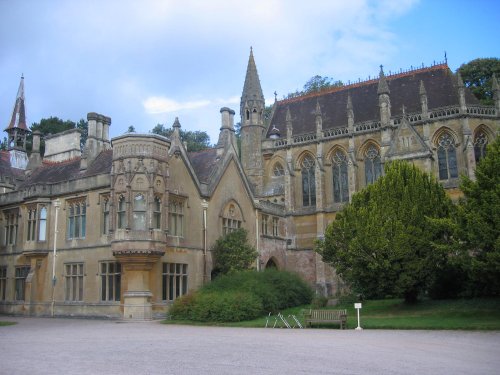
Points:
[(381, 242)]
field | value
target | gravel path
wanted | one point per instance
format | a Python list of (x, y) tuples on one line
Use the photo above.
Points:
[(76, 346)]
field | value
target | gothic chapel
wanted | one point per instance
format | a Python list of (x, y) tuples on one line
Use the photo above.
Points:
[(125, 226)]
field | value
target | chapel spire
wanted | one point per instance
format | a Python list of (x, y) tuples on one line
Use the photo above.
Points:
[(252, 91)]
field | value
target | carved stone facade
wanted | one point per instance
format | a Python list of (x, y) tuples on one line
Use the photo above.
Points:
[(125, 227)]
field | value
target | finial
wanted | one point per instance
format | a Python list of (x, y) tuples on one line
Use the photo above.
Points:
[(404, 110), (275, 95), (22, 75), (445, 58), (176, 124)]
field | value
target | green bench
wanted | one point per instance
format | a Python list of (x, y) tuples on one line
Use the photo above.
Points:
[(326, 316)]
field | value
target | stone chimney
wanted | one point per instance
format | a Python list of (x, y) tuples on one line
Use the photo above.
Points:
[(97, 138), (62, 146), (226, 135), (35, 159)]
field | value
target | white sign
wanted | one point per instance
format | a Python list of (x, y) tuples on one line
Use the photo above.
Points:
[(357, 305)]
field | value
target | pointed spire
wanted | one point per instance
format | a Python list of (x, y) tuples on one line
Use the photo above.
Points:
[(317, 112), (18, 119), (460, 80), (252, 89), (422, 90), (383, 87)]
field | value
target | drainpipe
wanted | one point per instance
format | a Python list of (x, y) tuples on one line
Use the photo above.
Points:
[(204, 205), (57, 204), (257, 238)]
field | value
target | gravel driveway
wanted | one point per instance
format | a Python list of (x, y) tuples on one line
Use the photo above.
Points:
[(77, 346)]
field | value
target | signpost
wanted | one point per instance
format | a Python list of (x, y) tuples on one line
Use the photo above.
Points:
[(357, 306)]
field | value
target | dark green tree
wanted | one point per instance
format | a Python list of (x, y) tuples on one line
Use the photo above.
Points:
[(131, 129), (232, 252), (83, 125), (314, 84), (196, 140), (380, 243), (479, 222), (4, 144), (477, 74), (48, 126)]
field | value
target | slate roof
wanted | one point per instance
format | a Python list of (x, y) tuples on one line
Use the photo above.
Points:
[(204, 163), (440, 84), (54, 172)]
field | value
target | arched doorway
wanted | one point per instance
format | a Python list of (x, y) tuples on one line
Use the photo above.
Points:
[(271, 264)]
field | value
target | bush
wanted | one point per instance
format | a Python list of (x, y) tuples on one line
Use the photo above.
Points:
[(243, 295)]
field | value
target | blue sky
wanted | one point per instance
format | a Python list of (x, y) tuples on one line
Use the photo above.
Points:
[(146, 62)]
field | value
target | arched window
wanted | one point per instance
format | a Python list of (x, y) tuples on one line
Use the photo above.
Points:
[(278, 170), (157, 213), (42, 225), (139, 213), (31, 224), (480, 143), (232, 219), (121, 212), (308, 182), (447, 157), (340, 181), (373, 168)]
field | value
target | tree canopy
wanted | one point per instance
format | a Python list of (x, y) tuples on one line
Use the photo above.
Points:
[(477, 74), (380, 243), (316, 83), (232, 252), (196, 140), (54, 125)]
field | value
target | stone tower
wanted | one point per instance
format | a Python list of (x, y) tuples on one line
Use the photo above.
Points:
[(252, 125), (17, 131)]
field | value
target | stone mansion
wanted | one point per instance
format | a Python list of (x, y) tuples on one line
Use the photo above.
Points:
[(125, 226)]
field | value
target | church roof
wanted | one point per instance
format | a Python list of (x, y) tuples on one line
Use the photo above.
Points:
[(404, 89), (18, 119)]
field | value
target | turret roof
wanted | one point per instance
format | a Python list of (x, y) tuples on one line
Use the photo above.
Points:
[(252, 89), (18, 119)]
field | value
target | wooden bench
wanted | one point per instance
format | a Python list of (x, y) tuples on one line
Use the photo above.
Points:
[(326, 316)]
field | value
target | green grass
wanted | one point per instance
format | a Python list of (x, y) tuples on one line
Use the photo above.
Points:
[(473, 314), (6, 323)]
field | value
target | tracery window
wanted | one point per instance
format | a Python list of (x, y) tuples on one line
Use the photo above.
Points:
[(77, 220), (176, 217), (139, 213), (308, 181), (447, 157), (373, 167), (121, 213), (231, 219), (264, 224), (31, 229), (480, 143), (340, 180), (10, 227), (278, 170)]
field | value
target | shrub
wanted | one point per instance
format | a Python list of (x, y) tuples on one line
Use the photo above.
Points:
[(243, 295)]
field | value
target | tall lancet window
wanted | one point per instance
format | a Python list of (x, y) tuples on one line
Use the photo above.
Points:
[(308, 182), (139, 213), (447, 157), (373, 167), (480, 143), (340, 181)]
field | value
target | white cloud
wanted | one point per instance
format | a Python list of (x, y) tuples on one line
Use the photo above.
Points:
[(161, 104)]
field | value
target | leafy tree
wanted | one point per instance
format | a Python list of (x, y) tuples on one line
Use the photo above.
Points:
[(131, 129), (54, 125), (316, 83), (381, 241), (479, 222), (196, 140), (232, 252), (477, 74)]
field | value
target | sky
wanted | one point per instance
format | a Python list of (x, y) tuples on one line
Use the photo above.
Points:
[(146, 62)]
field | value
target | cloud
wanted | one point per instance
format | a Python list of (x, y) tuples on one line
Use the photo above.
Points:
[(161, 104)]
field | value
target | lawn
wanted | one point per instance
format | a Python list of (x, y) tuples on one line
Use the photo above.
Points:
[(473, 314), (6, 323)]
